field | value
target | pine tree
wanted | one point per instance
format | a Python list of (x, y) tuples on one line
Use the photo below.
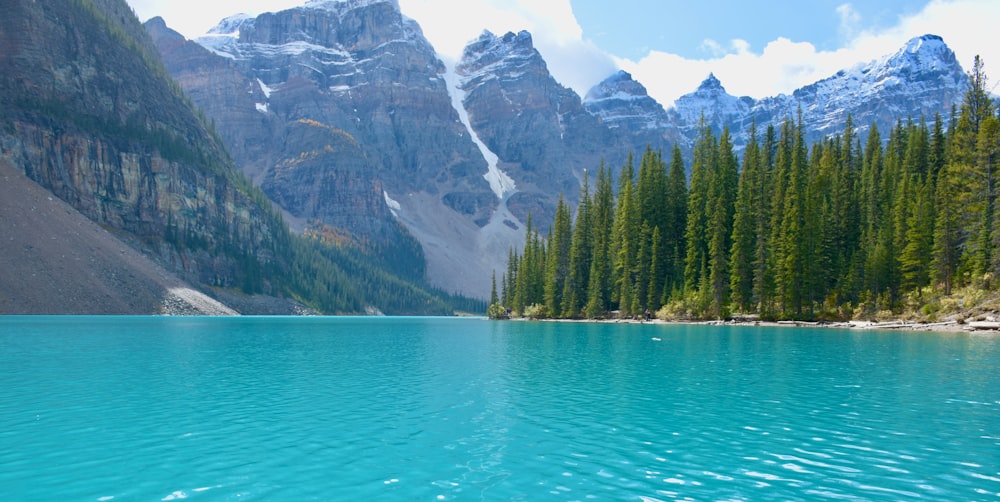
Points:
[(654, 289), (820, 222), (745, 216), (494, 297), (790, 278), (845, 214), (721, 200), (558, 260), (695, 235), (764, 256), (947, 234), (915, 256), (599, 286), (580, 256), (988, 153), (674, 226), (510, 280), (625, 238), (971, 184), (523, 288), (876, 236), (651, 191)]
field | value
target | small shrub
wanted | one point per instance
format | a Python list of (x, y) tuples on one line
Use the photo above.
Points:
[(534, 311), (673, 311), (496, 311)]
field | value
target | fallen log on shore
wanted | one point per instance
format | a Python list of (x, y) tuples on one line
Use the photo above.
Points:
[(984, 325)]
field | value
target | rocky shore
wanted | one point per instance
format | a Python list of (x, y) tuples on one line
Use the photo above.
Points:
[(989, 325)]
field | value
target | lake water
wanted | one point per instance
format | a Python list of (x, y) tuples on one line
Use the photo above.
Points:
[(156, 408)]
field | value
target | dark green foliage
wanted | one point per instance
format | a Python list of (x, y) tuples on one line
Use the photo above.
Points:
[(599, 283), (344, 280), (580, 256), (557, 260)]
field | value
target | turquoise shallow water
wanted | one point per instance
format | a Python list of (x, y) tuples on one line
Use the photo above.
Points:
[(152, 408)]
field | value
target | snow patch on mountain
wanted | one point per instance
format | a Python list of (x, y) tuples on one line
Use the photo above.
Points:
[(393, 205), (501, 184), (265, 89)]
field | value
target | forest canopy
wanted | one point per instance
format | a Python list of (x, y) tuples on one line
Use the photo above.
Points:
[(846, 227)]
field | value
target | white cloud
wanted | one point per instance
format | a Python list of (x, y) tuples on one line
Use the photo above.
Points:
[(850, 19), (784, 65)]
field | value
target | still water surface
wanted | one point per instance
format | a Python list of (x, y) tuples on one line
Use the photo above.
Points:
[(154, 408)]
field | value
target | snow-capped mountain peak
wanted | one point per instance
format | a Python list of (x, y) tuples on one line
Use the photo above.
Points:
[(489, 48), (618, 86), (713, 102), (622, 102), (711, 84)]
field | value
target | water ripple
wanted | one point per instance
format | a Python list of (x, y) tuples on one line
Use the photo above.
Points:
[(465, 409)]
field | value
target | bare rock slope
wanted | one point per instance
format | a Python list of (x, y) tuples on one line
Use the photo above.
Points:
[(57, 261)]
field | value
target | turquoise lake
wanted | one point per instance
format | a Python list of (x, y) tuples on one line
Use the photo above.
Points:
[(261, 408)]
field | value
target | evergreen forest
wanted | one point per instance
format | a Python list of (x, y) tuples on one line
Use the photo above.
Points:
[(848, 227)]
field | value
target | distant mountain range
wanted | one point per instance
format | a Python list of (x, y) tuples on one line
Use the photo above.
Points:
[(344, 114)]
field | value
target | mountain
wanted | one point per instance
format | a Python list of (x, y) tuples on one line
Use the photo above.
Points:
[(920, 79), (341, 112), (91, 115), (139, 200), (625, 107), (345, 116), (542, 135)]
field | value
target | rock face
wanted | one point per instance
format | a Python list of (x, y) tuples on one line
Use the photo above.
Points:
[(90, 114), (340, 111), (624, 106), (542, 135), (56, 261)]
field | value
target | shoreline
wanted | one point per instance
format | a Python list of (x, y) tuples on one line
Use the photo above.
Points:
[(977, 327)]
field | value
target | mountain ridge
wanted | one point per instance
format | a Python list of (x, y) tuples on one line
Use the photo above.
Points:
[(507, 138), (92, 116)]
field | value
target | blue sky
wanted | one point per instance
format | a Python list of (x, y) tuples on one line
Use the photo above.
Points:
[(683, 26), (756, 48)]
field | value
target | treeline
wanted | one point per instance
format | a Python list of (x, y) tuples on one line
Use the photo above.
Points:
[(841, 228), (345, 279)]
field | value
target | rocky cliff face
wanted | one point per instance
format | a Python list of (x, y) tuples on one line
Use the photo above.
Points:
[(90, 114), (340, 111), (542, 135), (624, 106)]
